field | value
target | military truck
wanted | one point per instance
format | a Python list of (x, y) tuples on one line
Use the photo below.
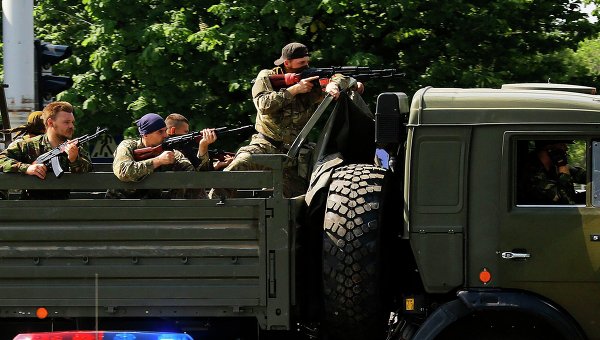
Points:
[(436, 244)]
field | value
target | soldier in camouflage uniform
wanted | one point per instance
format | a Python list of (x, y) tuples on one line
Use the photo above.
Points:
[(281, 115), (548, 176), (19, 156), (152, 130), (33, 127), (178, 125)]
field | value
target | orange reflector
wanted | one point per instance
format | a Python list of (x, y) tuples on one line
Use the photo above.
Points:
[(485, 276), (41, 313)]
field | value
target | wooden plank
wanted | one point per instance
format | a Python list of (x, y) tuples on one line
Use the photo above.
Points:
[(127, 249), (132, 272), (42, 211), (107, 291), (129, 304), (130, 230), (158, 180)]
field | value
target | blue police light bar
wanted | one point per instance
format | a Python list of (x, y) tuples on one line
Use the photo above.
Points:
[(103, 335)]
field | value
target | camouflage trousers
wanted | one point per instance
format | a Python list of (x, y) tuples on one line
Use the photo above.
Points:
[(295, 171)]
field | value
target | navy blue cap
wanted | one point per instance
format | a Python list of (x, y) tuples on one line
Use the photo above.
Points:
[(149, 123)]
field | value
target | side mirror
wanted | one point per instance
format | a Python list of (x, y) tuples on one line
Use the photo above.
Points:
[(390, 114)]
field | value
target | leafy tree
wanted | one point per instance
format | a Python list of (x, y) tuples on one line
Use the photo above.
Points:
[(577, 152), (585, 59), (198, 57)]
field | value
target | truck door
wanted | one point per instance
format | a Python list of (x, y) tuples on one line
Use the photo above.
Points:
[(549, 237)]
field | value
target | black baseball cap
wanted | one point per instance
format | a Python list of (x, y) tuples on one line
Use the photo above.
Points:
[(292, 51)]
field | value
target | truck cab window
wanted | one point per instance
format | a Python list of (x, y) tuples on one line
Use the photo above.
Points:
[(551, 172)]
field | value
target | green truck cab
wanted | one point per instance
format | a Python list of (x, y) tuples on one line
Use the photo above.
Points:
[(471, 233), (437, 244)]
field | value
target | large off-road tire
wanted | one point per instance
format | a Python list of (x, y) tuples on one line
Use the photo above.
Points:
[(352, 259)]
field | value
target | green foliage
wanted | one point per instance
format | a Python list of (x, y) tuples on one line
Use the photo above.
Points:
[(198, 57), (588, 52), (586, 59), (577, 152)]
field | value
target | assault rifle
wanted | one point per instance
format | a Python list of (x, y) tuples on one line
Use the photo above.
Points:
[(177, 142), (359, 73), (50, 158), (219, 155)]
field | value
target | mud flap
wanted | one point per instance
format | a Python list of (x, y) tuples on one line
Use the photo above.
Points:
[(443, 317)]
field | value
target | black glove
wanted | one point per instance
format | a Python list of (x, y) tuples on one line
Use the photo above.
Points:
[(558, 157)]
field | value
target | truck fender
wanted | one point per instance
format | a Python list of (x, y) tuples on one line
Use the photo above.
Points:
[(469, 301), (321, 175)]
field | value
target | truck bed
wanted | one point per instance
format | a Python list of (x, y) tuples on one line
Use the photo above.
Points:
[(147, 258)]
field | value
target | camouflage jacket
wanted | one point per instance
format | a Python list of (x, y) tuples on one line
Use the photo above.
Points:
[(281, 116), (21, 153), (129, 170), (549, 187)]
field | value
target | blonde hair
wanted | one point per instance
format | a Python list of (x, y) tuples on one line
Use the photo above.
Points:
[(175, 120), (52, 109)]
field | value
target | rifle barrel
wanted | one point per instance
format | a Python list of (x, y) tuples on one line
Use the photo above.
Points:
[(85, 138)]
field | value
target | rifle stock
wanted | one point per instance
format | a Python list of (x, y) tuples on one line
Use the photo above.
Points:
[(147, 152)]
